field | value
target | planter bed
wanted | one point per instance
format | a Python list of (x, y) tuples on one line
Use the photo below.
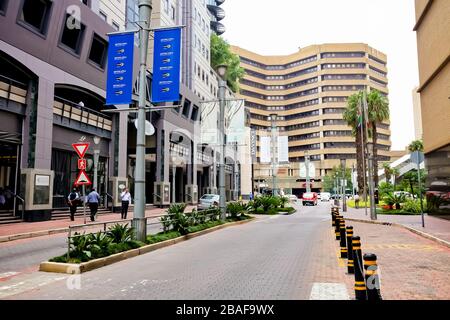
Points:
[(134, 248)]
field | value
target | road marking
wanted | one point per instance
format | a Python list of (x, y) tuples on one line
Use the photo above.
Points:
[(329, 291), (4, 276)]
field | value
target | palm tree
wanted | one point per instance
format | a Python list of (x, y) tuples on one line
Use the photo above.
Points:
[(387, 171), (416, 145), (378, 106), (395, 173), (352, 116)]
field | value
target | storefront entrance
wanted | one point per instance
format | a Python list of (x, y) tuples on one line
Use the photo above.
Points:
[(9, 155)]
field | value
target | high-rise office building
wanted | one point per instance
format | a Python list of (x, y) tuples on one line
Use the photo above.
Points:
[(433, 42), (305, 93)]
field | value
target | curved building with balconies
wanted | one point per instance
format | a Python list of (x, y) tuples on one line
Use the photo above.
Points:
[(217, 14), (308, 91)]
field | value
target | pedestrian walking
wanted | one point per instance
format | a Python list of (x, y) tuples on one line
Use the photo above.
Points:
[(93, 199), (125, 196), (356, 201), (73, 199), (2, 199)]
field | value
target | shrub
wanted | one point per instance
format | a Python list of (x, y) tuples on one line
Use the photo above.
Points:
[(434, 202), (163, 236), (392, 199), (234, 209), (120, 233), (176, 208), (412, 206), (283, 201), (166, 222)]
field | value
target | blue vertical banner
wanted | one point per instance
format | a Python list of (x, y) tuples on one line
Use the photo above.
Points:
[(166, 65), (119, 82)]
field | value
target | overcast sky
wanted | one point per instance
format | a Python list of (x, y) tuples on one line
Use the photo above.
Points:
[(277, 27)]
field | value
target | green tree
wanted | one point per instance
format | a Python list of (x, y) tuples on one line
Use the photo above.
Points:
[(416, 145), (221, 54), (378, 106), (387, 171), (329, 181), (352, 116)]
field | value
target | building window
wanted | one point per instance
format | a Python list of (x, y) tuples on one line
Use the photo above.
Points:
[(72, 37), (36, 13), (98, 51), (3, 5), (186, 107), (172, 12), (103, 16), (116, 26), (194, 115)]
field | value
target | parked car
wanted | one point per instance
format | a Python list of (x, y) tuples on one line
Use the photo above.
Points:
[(292, 198), (208, 201), (309, 198), (325, 196), (406, 194)]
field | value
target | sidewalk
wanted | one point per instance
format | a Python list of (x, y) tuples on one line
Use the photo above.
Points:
[(33, 227), (436, 227), (410, 267)]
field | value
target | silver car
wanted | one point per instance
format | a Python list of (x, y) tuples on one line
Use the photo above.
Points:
[(208, 201)]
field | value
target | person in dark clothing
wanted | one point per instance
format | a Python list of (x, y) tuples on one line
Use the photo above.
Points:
[(93, 199), (73, 200)]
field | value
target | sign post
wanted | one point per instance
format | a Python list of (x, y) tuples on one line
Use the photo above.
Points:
[(82, 179)]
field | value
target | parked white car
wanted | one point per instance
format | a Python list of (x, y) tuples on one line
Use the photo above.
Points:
[(208, 201), (292, 198), (325, 196)]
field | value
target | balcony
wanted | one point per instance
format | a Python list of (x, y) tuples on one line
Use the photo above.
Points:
[(217, 27), (217, 11)]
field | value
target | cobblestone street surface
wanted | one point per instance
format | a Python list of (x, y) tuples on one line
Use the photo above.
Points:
[(275, 257)]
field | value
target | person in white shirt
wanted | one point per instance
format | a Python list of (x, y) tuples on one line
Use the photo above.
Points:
[(126, 201), (356, 201)]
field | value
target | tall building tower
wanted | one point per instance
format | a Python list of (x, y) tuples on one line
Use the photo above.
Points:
[(305, 94)]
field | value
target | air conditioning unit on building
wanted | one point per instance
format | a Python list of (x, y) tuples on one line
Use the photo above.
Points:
[(191, 194), (161, 195)]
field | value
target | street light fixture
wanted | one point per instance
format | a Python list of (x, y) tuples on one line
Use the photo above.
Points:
[(222, 71)]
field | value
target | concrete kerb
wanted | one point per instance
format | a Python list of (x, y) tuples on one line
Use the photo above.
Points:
[(71, 268), (35, 234), (398, 225)]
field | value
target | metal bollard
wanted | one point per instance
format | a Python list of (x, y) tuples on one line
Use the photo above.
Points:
[(337, 227), (343, 239), (350, 262), (372, 279), (360, 284), (333, 218)]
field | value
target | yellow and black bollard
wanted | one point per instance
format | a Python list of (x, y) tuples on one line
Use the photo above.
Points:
[(333, 217), (360, 284), (350, 262), (372, 279), (343, 239), (337, 228)]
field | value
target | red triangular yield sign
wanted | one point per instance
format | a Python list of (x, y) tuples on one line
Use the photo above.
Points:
[(80, 148), (82, 179)]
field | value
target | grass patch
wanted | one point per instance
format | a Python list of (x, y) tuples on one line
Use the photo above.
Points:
[(398, 212), (162, 236), (288, 210)]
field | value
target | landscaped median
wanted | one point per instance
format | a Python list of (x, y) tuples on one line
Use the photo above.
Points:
[(92, 251)]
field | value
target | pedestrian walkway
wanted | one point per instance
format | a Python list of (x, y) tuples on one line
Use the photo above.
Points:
[(410, 267), (32, 227), (436, 227)]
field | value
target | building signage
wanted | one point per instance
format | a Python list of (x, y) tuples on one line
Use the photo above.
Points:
[(42, 180), (283, 149), (166, 65), (266, 156), (311, 171), (253, 139), (119, 83)]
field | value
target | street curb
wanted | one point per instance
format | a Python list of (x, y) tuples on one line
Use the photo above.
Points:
[(413, 230), (27, 235), (70, 268)]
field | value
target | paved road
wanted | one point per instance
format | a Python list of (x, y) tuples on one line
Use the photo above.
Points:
[(277, 257), (25, 255)]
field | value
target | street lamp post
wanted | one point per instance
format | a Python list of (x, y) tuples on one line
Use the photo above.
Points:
[(96, 156), (308, 184), (174, 172), (373, 212), (139, 221), (222, 71), (273, 118), (344, 184)]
